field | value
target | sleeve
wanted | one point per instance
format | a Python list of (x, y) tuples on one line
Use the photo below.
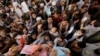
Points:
[(38, 41), (64, 49), (71, 39)]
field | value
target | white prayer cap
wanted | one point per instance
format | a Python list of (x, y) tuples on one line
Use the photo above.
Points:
[(18, 37), (84, 19), (42, 4), (53, 3), (38, 18)]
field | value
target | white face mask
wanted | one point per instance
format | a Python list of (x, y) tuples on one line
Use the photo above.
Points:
[(77, 34)]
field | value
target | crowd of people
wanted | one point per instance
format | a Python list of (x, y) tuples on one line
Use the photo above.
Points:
[(47, 27)]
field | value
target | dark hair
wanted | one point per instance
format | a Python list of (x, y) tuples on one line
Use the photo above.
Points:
[(83, 0), (26, 17), (22, 54), (25, 29), (33, 13), (74, 1), (97, 51), (82, 44), (7, 30), (84, 6), (97, 24), (3, 15), (76, 17), (49, 16), (47, 0), (48, 34), (83, 31), (19, 32)]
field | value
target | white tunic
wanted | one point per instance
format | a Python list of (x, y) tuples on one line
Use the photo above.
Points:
[(24, 6)]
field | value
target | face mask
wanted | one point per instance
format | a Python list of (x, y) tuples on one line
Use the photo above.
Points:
[(77, 34)]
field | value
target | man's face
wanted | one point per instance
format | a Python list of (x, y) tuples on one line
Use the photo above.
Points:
[(2, 33), (38, 21), (74, 5), (27, 21), (46, 37), (64, 23), (55, 15), (53, 30), (62, 3), (33, 36), (39, 28), (6, 8), (34, 16), (83, 10), (7, 41), (50, 20), (25, 31)]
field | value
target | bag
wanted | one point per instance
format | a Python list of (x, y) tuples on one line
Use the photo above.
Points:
[(29, 49)]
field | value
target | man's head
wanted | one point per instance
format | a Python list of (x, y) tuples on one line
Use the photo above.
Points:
[(33, 15), (38, 19), (84, 8), (64, 23), (62, 3), (53, 30), (97, 51), (50, 20), (80, 32)]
